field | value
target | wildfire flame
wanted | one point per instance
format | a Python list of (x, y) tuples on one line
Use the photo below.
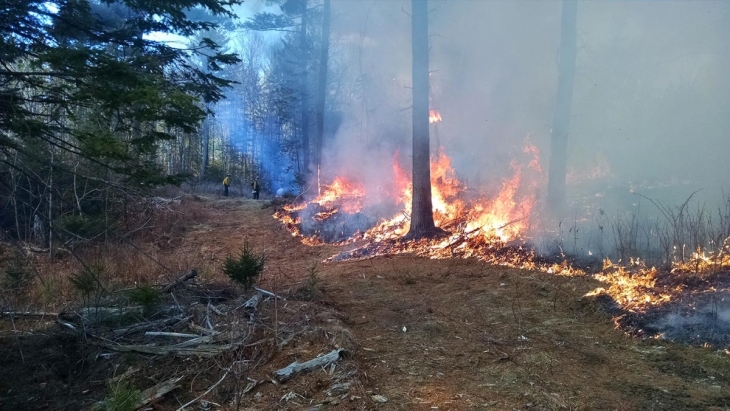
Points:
[(434, 116), (349, 194), (483, 226)]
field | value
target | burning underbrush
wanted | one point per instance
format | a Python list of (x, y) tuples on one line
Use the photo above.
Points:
[(681, 302), (478, 223)]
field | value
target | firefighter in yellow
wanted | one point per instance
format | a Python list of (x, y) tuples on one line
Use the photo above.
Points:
[(226, 183)]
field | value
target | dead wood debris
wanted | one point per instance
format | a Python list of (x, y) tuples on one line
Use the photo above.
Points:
[(187, 277), (296, 367)]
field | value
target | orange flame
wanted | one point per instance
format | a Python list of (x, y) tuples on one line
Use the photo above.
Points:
[(434, 116), (342, 190), (504, 217)]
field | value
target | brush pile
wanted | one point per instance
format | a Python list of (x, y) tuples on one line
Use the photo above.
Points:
[(181, 321)]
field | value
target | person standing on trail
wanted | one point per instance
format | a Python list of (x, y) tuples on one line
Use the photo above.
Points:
[(226, 183), (256, 188)]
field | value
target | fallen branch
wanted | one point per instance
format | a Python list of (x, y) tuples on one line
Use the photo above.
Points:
[(269, 293), (189, 276), (202, 330), (93, 315), (202, 350), (211, 388), (157, 391), (168, 334), (119, 332), (26, 314), (214, 309), (294, 368), (67, 325), (253, 302)]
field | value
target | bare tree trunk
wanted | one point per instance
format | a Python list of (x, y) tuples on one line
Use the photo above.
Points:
[(50, 210), (422, 210), (561, 119), (206, 146), (322, 83), (303, 88)]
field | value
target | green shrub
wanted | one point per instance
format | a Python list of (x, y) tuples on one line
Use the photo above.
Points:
[(83, 226), (145, 296), (16, 276), (246, 268), (121, 398), (88, 282)]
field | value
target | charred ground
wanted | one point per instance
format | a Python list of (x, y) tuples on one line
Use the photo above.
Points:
[(454, 334)]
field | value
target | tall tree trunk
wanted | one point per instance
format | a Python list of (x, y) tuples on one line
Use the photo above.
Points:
[(303, 88), (421, 209), (564, 100), (322, 84), (206, 146)]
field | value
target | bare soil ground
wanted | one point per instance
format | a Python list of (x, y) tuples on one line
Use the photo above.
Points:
[(419, 334)]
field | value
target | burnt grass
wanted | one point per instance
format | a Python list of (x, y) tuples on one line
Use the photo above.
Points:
[(453, 334)]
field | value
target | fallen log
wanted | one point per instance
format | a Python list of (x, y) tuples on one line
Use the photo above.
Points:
[(202, 350), (296, 367), (120, 332), (26, 314), (187, 277)]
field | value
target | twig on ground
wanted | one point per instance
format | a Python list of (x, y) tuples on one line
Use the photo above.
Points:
[(211, 388)]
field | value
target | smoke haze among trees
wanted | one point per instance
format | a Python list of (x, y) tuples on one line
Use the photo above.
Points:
[(650, 98)]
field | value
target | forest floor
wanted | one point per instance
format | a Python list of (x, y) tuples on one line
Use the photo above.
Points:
[(419, 334)]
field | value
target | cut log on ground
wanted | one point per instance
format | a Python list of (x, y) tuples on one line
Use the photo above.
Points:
[(187, 277), (294, 368)]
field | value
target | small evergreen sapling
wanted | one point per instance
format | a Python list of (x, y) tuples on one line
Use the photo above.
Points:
[(246, 267)]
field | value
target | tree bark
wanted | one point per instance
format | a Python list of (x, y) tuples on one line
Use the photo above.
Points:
[(322, 84), (303, 88), (564, 99), (422, 224)]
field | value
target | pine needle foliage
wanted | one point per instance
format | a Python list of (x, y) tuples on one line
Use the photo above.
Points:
[(246, 268), (122, 397)]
